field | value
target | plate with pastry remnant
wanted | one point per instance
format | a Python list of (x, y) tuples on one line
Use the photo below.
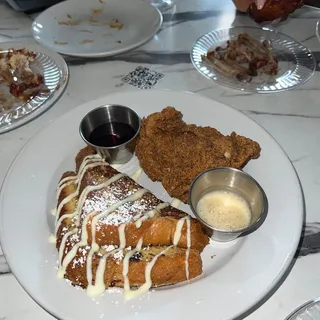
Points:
[(152, 249), (253, 59), (32, 78), (97, 28)]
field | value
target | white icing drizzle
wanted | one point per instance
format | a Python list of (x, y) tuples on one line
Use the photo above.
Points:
[(93, 250), (177, 236), (116, 166), (84, 231), (150, 214), (65, 216), (66, 179), (125, 265), (99, 285), (61, 251), (188, 247), (52, 238), (131, 294), (136, 175), (53, 212), (122, 235), (175, 203)]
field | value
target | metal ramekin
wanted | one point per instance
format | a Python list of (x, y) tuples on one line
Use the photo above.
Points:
[(238, 182)]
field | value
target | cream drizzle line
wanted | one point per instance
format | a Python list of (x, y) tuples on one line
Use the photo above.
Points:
[(116, 166), (122, 235), (131, 294), (83, 197), (54, 212), (74, 194), (135, 176), (125, 265), (175, 203), (52, 238), (73, 179), (188, 247), (150, 214), (63, 244), (99, 285), (177, 236)]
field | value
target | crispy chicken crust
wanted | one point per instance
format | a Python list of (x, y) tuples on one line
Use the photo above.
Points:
[(174, 153)]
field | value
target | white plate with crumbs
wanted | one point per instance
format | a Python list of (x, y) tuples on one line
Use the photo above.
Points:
[(295, 64), (32, 79), (308, 311), (259, 259), (97, 28)]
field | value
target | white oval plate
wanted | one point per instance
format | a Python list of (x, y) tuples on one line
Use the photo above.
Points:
[(97, 28), (235, 275), (296, 62), (55, 72)]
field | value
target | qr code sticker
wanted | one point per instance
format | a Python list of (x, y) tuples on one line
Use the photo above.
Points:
[(142, 78)]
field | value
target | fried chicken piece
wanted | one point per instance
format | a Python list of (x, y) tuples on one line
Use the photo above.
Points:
[(174, 153)]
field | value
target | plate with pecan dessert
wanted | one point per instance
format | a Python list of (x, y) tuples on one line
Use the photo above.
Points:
[(32, 79), (253, 59)]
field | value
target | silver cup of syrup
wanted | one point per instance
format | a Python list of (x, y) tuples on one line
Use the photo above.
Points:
[(112, 130)]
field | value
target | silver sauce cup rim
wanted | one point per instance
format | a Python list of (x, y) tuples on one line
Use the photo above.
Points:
[(262, 216), (113, 147)]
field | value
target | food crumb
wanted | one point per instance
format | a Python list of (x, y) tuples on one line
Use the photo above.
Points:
[(96, 11), (69, 16), (86, 41), (119, 41), (60, 43), (115, 24), (68, 23)]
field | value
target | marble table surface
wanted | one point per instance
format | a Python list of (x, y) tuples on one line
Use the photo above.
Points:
[(292, 117)]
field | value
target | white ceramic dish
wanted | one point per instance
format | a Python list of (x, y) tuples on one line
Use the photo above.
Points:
[(97, 28), (56, 75), (236, 275)]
